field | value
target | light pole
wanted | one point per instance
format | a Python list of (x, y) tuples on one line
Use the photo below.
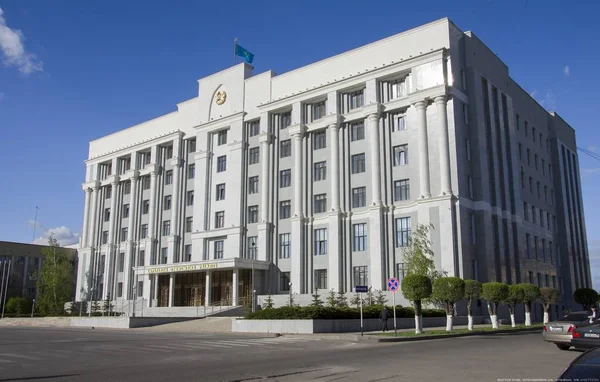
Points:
[(253, 290), (134, 298), (33, 308), (290, 285), (90, 303)]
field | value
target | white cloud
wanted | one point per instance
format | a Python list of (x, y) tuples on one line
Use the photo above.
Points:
[(592, 148), (13, 49), (567, 70), (590, 171), (62, 234)]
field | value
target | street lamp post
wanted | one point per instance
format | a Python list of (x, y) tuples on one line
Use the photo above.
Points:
[(290, 284), (90, 303), (134, 298), (33, 308), (253, 290)]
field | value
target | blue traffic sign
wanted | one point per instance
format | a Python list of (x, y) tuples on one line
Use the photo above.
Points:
[(361, 289), (393, 284)]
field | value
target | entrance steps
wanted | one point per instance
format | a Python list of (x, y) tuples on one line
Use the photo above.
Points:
[(185, 311)]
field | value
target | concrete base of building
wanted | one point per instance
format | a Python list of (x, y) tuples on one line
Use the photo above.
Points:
[(337, 326), (123, 322)]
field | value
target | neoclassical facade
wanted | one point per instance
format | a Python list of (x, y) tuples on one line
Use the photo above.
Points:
[(315, 178)]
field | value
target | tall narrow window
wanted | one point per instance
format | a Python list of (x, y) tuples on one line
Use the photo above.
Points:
[(222, 163), (191, 171), (187, 253), (402, 231), (285, 178), (253, 155), (192, 145), (141, 261), (219, 249), (124, 232), (358, 163), (189, 199), (285, 148), (252, 248), (145, 207), (144, 231), (166, 228), (285, 120), (320, 171), (320, 279), (361, 275), (220, 219), (401, 190), (357, 131), (284, 246), (169, 177), (470, 186), (468, 148), (399, 123), (167, 203), (127, 187), (106, 214), (320, 241), (359, 197), (189, 224), (319, 140), (360, 237), (357, 99), (222, 137), (400, 155), (473, 229), (253, 214), (253, 185), (285, 209), (320, 203), (318, 110), (253, 128), (125, 211), (221, 191)]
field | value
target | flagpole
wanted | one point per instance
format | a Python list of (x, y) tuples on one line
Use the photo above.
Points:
[(234, 50)]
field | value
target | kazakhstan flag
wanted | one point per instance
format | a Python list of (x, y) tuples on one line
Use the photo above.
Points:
[(239, 51)]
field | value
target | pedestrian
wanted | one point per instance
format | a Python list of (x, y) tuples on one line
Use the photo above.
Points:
[(383, 316), (595, 314)]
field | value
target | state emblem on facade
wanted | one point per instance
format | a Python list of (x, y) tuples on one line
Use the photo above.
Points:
[(220, 97)]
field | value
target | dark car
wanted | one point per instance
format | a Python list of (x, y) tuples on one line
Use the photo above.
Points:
[(559, 332), (583, 368), (586, 337)]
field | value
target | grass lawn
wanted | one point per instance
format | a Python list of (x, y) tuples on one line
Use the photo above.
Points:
[(457, 331)]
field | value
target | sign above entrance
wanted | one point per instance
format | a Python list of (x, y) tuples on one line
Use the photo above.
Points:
[(182, 268)]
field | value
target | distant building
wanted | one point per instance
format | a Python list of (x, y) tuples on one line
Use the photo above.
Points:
[(315, 178), (25, 262)]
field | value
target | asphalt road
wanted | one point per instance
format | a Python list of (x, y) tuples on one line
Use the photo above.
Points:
[(102, 355)]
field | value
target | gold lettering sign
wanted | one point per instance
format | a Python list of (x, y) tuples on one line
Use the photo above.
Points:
[(182, 268)]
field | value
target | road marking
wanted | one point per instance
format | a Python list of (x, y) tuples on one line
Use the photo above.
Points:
[(194, 346), (14, 355), (235, 343)]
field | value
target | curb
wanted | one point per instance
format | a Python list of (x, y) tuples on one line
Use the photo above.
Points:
[(372, 338)]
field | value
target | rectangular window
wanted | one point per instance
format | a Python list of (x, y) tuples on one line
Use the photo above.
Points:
[(533, 133), (400, 271), (539, 190), (192, 145), (402, 231), (166, 227), (360, 237), (285, 178), (533, 214), (219, 219), (187, 253), (146, 182), (319, 140), (320, 241), (400, 155), (357, 99), (470, 186), (285, 208), (169, 152), (153, 258), (320, 203), (548, 221), (531, 184), (189, 224), (253, 128), (520, 151), (253, 185), (543, 166), (399, 123), (121, 265), (320, 279), (253, 214), (318, 110), (125, 211), (535, 248), (219, 249), (222, 137), (357, 131), (167, 203), (553, 281), (401, 190), (546, 194), (473, 228), (543, 249), (465, 111), (285, 148), (220, 191), (530, 277), (108, 192), (189, 198), (320, 171), (535, 158), (285, 120), (104, 237), (358, 163), (522, 178), (463, 79), (526, 211), (284, 281), (119, 289), (253, 155), (141, 261), (528, 157), (145, 207), (284, 246), (126, 188), (106, 214), (191, 171), (164, 255), (144, 231), (359, 197), (252, 248), (124, 232), (541, 217), (169, 177), (361, 275), (222, 163), (528, 245), (539, 277), (468, 148)]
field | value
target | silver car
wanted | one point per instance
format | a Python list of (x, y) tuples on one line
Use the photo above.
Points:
[(560, 332)]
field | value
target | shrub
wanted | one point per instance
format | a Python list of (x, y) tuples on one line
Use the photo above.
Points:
[(416, 288), (494, 293), (18, 306), (472, 293), (586, 297), (530, 294), (448, 290), (335, 313)]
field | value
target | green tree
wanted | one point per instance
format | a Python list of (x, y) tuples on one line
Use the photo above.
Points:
[(341, 299), (269, 302), (18, 306), (448, 290), (331, 299), (316, 301), (548, 296), (380, 299), (355, 301), (55, 282), (586, 297), (494, 293), (95, 307), (516, 295), (472, 293), (416, 288), (369, 299), (531, 293)]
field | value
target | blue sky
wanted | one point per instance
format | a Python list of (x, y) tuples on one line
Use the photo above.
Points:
[(72, 71)]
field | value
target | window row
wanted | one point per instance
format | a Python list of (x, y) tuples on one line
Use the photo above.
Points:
[(537, 216), (539, 249)]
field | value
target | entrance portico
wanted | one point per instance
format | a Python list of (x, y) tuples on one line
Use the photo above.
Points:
[(226, 282)]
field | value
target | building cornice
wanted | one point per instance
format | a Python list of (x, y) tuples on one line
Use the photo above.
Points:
[(221, 122)]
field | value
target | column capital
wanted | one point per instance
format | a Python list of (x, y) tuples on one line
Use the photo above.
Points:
[(440, 99), (373, 109), (176, 162), (297, 130), (420, 104), (264, 138), (153, 173)]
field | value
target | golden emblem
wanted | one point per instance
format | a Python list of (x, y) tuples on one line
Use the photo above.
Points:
[(220, 97)]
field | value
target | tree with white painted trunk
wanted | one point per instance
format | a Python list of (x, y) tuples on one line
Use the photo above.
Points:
[(415, 289), (472, 294), (448, 290), (531, 294), (494, 293), (586, 297), (548, 297), (515, 297)]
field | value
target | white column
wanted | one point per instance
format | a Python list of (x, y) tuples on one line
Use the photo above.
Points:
[(207, 301), (145, 293), (297, 221), (92, 237), (155, 290), (264, 177), (109, 276), (297, 173), (334, 256), (234, 294), (171, 289), (175, 197), (153, 202), (373, 127), (335, 167), (440, 103), (86, 213), (130, 259), (421, 107)]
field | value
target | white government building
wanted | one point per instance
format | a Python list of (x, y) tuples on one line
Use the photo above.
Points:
[(315, 178)]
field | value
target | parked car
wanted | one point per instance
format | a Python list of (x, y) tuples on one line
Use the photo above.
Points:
[(583, 368), (586, 337), (560, 332)]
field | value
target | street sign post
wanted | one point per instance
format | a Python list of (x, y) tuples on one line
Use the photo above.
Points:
[(360, 289), (393, 285)]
